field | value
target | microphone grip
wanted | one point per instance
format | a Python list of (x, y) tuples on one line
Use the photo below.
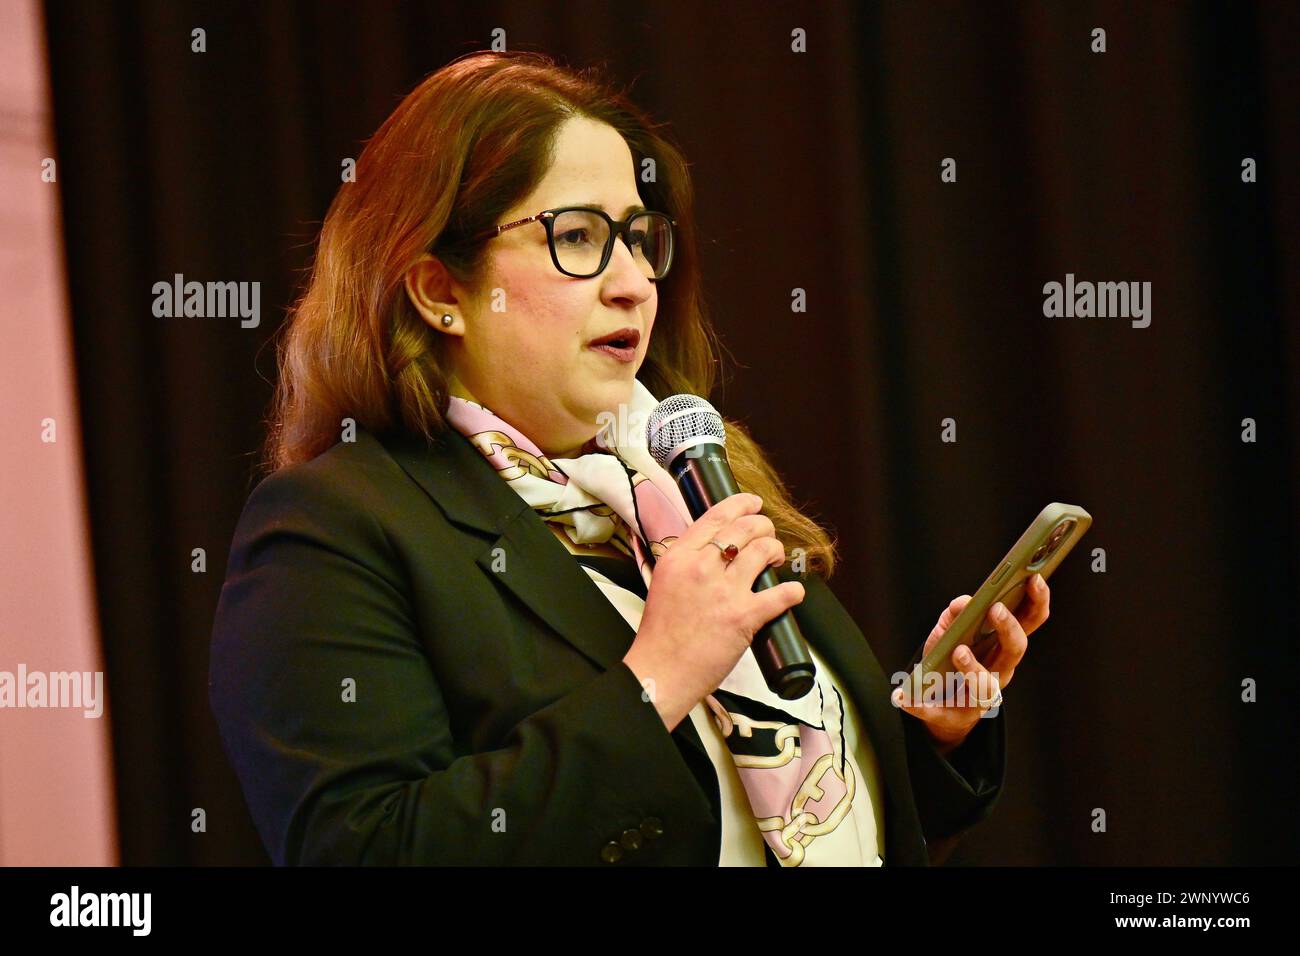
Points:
[(704, 477)]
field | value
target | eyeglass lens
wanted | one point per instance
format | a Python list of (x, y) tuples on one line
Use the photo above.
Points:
[(580, 238)]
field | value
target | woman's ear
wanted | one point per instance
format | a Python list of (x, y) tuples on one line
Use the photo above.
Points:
[(429, 288)]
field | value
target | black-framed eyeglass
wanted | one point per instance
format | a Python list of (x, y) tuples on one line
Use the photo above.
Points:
[(581, 239)]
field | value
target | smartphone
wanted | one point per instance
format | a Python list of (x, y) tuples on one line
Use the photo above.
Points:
[(1040, 550)]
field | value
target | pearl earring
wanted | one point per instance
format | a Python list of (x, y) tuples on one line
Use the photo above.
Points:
[(447, 320)]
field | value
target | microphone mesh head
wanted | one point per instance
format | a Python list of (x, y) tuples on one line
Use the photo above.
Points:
[(682, 420)]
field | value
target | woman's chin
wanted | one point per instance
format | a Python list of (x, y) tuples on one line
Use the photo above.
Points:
[(605, 403), (608, 395)]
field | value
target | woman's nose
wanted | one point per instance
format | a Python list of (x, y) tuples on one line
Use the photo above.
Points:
[(630, 267)]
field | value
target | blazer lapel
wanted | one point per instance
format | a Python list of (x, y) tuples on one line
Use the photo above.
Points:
[(535, 566)]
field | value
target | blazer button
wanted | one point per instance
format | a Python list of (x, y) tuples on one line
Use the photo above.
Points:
[(652, 828), (611, 852), (631, 839)]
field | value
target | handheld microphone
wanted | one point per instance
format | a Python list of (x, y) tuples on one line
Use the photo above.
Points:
[(685, 435)]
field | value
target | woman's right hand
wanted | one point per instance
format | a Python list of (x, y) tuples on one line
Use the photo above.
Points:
[(701, 611)]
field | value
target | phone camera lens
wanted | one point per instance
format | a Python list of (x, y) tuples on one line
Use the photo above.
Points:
[(1059, 534)]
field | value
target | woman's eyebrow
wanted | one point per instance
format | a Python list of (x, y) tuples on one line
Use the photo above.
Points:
[(626, 212)]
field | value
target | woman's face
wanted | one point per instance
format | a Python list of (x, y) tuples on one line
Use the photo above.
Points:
[(520, 342)]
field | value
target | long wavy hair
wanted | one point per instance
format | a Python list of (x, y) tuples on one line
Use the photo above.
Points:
[(465, 145)]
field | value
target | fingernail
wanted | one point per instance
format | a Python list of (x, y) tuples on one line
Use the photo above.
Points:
[(963, 655), (999, 611)]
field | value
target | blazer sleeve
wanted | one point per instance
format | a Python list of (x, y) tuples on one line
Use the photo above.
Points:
[(955, 793), (332, 717)]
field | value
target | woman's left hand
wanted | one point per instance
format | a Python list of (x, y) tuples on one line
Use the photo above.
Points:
[(948, 722)]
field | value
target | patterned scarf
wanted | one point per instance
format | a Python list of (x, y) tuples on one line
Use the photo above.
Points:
[(790, 755)]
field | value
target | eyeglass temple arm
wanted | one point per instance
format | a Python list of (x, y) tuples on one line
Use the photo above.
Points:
[(497, 230)]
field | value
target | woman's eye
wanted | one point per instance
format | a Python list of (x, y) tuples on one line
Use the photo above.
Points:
[(573, 236)]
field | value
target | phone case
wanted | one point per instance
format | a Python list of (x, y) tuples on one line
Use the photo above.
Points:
[(1040, 550)]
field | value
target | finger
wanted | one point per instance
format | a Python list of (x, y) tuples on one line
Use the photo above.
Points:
[(754, 557), (911, 694), (755, 536), (979, 682), (746, 528), (770, 603), (1012, 642), (1033, 612), (704, 528), (926, 705), (902, 699), (950, 613), (946, 618)]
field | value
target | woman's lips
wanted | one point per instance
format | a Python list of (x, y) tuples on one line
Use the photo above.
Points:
[(626, 354)]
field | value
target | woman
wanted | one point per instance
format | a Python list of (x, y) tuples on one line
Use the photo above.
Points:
[(467, 618)]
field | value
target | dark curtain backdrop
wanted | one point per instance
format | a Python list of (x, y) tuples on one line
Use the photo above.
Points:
[(817, 171)]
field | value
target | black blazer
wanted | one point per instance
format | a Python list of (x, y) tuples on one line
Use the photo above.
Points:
[(409, 668)]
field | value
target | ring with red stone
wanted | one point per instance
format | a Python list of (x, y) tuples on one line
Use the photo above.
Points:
[(729, 551)]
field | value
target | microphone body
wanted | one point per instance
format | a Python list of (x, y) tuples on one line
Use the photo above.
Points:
[(704, 477)]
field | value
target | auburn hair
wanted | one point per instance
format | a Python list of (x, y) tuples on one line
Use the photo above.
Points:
[(471, 141)]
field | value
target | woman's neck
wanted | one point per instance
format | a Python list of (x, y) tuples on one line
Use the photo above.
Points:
[(457, 388)]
